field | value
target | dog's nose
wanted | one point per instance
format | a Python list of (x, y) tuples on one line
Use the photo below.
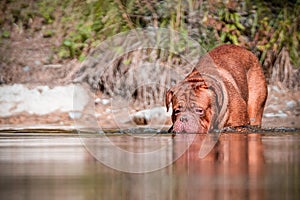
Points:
[(183, 119)]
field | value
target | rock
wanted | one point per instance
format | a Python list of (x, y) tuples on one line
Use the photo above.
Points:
[(75, 115), (26, 68), (155, 115), (41, 100), (105, 101), (291, 103), (97, 100), (53, 66), (102, 101), (279, 114), (37, 62)]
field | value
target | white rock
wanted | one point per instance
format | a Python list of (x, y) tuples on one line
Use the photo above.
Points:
[(281, 115), (41, 100), (75, 115), (105, 101), (97, 100), (291, 103), (155, 114)]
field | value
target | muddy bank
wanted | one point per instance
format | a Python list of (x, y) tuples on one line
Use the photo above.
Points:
[(23, 105)]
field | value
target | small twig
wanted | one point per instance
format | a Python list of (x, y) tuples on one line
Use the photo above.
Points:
[(125, 14)]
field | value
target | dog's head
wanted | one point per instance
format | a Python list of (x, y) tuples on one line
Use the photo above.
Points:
[(192, 104)]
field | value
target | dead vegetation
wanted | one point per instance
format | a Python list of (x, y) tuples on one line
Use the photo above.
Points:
[(141, 77), (283, 73)]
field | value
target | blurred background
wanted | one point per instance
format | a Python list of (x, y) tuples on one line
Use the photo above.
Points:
[(44, 42)]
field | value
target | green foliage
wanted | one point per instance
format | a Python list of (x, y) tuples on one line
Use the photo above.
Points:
[(90, 23), (46, 10), (231, 26), (276, 25), (80, 25), (48, 33), (5, 34)]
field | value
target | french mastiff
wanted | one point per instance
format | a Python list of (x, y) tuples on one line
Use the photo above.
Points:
[(227, 88)]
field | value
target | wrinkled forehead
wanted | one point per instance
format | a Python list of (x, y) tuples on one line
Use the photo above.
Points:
[(183, 90), (188, 94)]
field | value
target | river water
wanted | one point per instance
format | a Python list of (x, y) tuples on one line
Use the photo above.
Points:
[(71, 166)]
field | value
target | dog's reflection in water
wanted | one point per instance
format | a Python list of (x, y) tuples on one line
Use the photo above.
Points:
[(234, 167)]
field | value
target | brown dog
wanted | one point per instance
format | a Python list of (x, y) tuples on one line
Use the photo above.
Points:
[(227, 88)]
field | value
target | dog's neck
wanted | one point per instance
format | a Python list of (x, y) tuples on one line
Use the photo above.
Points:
[(219, 101)]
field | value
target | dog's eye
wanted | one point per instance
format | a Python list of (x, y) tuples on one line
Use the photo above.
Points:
[(200, 111), (177, 111)]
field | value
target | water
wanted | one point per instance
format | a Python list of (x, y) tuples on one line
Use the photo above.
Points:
[(240, 166)]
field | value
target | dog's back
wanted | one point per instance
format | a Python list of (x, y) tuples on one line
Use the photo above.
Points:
[(243, 76), (226, 88)]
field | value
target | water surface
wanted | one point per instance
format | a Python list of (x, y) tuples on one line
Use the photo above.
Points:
[(240, 166)]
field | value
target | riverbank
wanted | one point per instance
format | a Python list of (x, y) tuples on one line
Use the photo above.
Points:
[(28, 106)]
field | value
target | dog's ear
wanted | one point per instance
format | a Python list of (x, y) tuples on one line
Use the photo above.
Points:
[(169, 96), (196, 78)]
